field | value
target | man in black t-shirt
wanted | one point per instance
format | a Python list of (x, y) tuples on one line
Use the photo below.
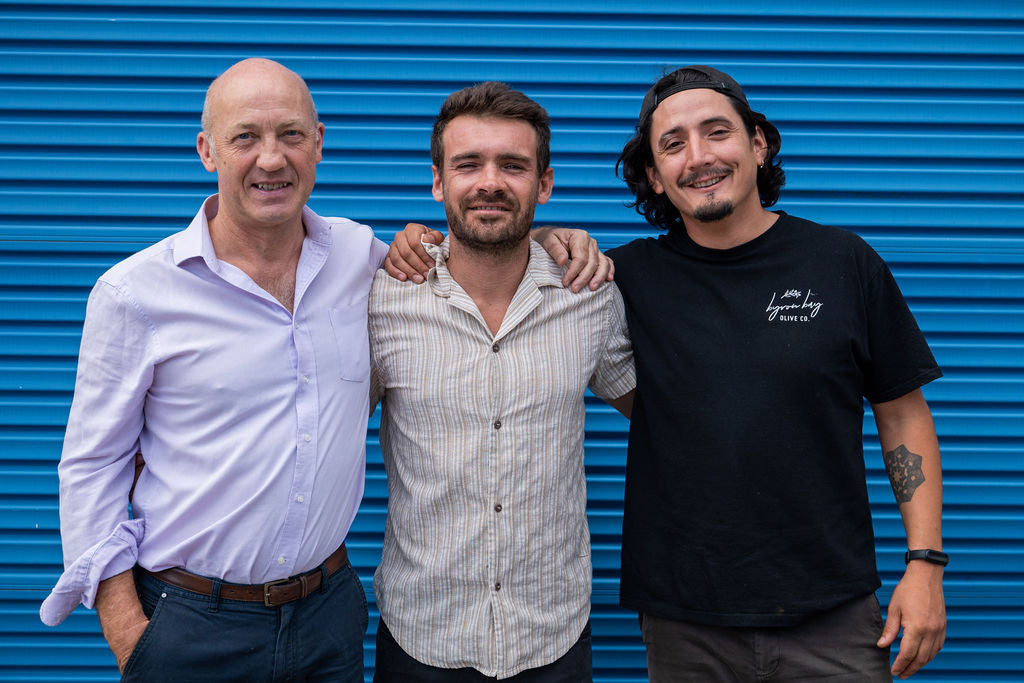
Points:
[(747, 540)]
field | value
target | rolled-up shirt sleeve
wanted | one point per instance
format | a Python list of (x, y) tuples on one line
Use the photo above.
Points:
[(615, 374), (115, 370)]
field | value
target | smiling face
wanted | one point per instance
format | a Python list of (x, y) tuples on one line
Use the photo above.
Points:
[(262, 139), (705, 162), (490, 182)]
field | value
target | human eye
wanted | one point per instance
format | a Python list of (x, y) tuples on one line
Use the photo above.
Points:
[(242, 137)]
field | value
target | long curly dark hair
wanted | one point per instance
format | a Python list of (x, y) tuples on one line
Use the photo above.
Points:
[(637, 156)]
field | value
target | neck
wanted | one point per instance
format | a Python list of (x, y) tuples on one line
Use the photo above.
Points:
[(733, 230), (491, 280), (232, 242), (268, 257)]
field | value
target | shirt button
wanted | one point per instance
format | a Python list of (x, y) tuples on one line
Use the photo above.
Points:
[(305, 379), (497, 586), (300, 498), (495, 348), (497, 424), (281, 560), (497, 508), (307, 438)]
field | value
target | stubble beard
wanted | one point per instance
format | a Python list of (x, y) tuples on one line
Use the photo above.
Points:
[(485, 238)]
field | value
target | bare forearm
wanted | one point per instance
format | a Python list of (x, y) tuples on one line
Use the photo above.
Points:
[(911, 454)]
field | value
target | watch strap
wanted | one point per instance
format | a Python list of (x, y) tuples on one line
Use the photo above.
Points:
[(928, 555)]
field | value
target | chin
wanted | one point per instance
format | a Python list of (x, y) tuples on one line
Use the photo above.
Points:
[(714, 211)]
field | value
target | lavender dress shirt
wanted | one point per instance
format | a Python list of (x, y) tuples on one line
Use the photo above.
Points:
[(252, 420)]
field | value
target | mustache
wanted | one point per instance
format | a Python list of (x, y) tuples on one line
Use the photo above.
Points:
[(703, 175), (495, 199)]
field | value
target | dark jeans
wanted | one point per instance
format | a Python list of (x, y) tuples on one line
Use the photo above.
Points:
[(837, 646), (394, 665), (193, 637)]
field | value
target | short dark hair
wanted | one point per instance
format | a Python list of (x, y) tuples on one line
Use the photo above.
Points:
[(637, 156), (498, 100)]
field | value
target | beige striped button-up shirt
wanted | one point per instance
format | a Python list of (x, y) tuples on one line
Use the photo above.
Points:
[(486, 559)]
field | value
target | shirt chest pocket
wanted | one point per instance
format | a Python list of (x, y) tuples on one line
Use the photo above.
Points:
[(351, 340)]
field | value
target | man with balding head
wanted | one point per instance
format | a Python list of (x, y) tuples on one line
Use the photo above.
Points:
[(234, 356)]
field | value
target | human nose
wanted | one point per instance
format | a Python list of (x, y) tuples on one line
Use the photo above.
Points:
[(270, 157), (489, 180), (699, 152)]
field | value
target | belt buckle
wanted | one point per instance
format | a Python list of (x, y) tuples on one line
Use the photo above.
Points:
[(266, 590)]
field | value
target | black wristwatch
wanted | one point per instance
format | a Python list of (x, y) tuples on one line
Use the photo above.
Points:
[(934, 556)]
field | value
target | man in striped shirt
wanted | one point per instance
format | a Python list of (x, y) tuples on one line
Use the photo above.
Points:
[(486, 568)]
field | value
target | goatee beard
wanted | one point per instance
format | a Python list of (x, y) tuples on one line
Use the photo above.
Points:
[(713, 211)]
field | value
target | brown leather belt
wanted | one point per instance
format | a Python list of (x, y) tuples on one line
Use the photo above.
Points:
[(271, 594)]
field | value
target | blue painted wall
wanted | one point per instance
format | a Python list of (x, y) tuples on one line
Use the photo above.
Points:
[(903, 121)]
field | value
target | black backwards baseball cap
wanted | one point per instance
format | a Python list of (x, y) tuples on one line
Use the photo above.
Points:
[(718, 81)]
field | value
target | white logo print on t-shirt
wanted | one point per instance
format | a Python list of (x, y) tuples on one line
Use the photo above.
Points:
[(793, 306)]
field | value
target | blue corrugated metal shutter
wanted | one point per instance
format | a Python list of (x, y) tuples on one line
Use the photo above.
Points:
[(903, 121)]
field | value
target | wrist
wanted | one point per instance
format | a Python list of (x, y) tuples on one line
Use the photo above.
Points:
[(926, 556)]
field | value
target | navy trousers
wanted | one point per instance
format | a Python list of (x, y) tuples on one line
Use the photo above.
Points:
[(193, 637)]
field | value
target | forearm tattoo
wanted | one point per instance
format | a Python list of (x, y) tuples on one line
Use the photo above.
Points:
[(905, 473)]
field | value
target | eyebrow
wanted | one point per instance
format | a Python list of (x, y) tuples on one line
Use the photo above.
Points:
[(249, 125), (467, 156)]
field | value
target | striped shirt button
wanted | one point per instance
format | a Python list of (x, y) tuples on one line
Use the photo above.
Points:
[(497, 586), (497, 424), (495, 348), (497, 508)]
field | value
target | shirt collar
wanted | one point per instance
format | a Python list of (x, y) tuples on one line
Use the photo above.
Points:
[(195, 241), (541, 269)]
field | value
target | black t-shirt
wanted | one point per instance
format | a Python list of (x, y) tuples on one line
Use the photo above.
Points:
[(746, 502)]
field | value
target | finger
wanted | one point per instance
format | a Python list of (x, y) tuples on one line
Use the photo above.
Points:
[(588, 267), (931, 647), (925, 653), (421, 259), (557, 250), (411, 258), (393, 271), (909, 647), (398, 268), (408, 245), (604, 271), (892, 628)]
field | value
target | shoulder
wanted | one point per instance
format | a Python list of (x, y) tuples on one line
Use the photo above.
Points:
[(633, 250), (820, 233), (829, 238), (345, 228), (351, 240), (142, 266), (389, 295)]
